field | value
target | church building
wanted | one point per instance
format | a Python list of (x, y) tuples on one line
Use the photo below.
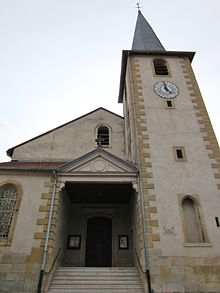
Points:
[(106, 203)]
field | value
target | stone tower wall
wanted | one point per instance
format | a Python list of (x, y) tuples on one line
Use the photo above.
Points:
[(175, 265)]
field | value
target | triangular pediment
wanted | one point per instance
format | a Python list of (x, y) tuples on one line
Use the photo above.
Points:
[(99, 161)]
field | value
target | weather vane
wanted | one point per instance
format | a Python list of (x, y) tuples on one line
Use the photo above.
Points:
[(138, 5)]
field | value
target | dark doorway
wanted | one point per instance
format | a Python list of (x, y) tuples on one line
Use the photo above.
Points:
[(99, 242)]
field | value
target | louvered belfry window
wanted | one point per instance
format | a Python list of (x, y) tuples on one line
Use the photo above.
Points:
[(160, 67), (8, 199)]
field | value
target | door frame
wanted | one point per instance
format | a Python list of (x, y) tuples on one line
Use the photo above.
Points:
[(93, 213), (101, 257)]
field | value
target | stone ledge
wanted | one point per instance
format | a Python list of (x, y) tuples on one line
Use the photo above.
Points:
[(205, 244)]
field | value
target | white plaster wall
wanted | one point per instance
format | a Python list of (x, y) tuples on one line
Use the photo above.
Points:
[(23, 237), (178, 127), (74, 140)]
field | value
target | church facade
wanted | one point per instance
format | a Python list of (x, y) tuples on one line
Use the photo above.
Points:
[(103, 190)]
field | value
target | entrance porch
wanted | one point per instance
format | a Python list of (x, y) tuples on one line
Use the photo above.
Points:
[(96, 224)]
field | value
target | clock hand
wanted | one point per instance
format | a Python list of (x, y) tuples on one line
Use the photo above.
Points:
[(166, 88)]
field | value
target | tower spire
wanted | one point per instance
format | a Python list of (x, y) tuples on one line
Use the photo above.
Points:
[(144, 36)]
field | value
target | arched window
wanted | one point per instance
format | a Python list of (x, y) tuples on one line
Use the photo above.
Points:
[(160, 67), (103, 136), (193, 226), (8, 205)]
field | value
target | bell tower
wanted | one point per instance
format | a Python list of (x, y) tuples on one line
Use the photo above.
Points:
[(171, 140)]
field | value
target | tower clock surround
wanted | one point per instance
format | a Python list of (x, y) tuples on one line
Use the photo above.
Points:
[(166, 89)]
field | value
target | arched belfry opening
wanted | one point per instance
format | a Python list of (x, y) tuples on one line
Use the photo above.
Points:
[(103, 136)]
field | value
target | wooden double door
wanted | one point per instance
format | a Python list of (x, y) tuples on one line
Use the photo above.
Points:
[(99, 242)]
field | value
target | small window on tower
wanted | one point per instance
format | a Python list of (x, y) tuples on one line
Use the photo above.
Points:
[(179, 154), (160, 67), (103, 136), (217, 222), (169, 104)]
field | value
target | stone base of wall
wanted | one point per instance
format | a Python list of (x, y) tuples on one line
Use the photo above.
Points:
[(185, 274), (18, 291), (19, 272)]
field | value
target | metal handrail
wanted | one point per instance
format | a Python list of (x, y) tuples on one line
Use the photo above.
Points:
[(54, 261), (139, 263), (147, 273)]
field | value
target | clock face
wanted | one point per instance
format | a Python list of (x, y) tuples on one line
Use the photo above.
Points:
[(166, 89)]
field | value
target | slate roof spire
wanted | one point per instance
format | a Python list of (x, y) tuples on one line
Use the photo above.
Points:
[(145, 38)]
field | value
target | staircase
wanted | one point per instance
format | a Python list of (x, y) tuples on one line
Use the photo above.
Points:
[(95, 280)]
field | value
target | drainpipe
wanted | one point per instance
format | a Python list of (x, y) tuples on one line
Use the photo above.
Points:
[(146, 256), (44, 258)]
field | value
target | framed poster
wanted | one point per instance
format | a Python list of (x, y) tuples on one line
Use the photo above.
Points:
[(74, 242), (123, 242)]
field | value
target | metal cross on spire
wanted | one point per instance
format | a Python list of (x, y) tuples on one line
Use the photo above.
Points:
[(138, 5)]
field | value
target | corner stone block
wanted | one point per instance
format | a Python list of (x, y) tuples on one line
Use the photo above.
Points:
[(153, 223), (213, 287), (11, 286), (5, 268), (18, 259), (6, 259), (3, 276), (19, 268), (39, 235), (155, 237), (15, 276), (44, 208), (36, 255), (42, 221), (165, 274), (48, 184)]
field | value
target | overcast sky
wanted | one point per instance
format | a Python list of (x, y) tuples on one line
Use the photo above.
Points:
[(60, 59)]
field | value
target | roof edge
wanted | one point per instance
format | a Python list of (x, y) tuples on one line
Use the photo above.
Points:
[(27, 170), (31, 166)]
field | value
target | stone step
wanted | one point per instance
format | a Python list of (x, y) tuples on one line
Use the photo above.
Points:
[(93, 273), (95, 277), (99, 272), (95, 290), (95, 282), (82, 279), (94, 285), (97, 269), (101, 280)]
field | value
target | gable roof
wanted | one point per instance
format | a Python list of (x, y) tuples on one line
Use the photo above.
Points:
[(11, 150), (98, 161)]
